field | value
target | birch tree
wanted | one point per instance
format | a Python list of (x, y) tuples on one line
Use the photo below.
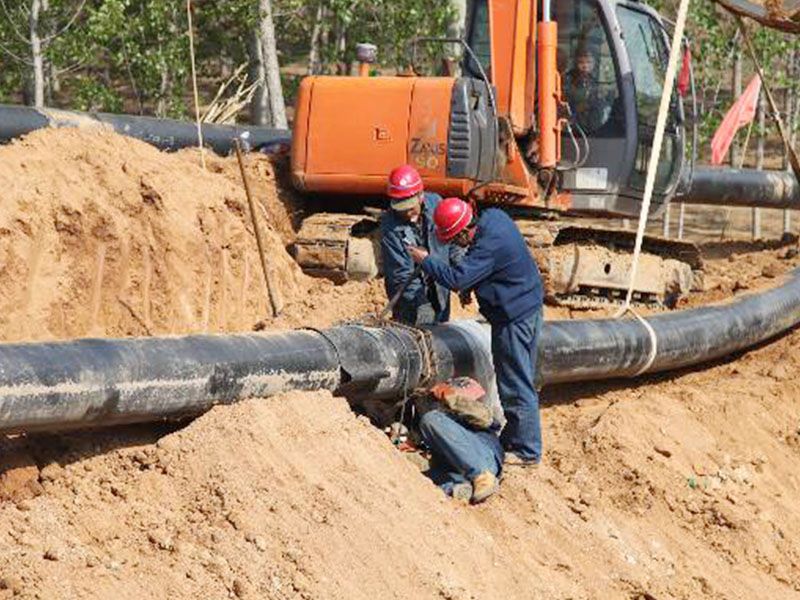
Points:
[(271, 81)]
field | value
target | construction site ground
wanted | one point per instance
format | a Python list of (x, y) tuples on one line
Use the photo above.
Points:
[(676, 486)]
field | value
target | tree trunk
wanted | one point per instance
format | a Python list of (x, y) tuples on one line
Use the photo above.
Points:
[(314, 62), (50, 75), (163, 92), (271, 66), (342, 66), (259, 105), (36, 54)]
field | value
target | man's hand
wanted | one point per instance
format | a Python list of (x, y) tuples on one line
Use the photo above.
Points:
[(417, 254), (465, 297)]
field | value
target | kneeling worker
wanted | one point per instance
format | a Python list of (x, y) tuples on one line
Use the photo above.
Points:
[(460, 426), (500, 269), (409, 222)]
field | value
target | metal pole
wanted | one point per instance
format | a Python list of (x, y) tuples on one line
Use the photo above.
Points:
[(759, 164), (681, 215), (665, 224)]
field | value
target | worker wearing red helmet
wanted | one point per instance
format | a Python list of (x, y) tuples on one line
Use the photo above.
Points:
[(499, 268), (409, 222)]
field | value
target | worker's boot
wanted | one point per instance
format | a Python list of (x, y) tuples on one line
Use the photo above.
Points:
[(512, 459), (483, 486), (462, 492)]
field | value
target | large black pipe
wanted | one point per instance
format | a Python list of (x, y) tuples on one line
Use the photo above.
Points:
[(743, 187), (590, 349), (165, 134), (104, 382), (91, 382)]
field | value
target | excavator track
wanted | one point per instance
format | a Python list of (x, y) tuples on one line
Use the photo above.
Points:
[(586, 267), (582, 267), (339, 247)]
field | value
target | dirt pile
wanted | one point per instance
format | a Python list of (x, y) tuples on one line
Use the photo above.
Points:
[(291, 497), (103, 235), (269, 184)]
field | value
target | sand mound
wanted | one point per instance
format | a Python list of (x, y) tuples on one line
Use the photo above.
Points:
[(104, 235), (291, 497), (269, 183)]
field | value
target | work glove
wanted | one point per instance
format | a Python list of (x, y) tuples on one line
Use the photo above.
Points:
[(464, 399)]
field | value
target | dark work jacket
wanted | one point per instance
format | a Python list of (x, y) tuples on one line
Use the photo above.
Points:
[(498, 266), (423, 302)]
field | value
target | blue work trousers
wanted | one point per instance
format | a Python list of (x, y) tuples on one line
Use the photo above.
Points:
[(459, 453), (514, 349)]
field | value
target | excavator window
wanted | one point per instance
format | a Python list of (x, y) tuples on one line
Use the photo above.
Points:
[(478, 39), (589, 70), (648, 53)]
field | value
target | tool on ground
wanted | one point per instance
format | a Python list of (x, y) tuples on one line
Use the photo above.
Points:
[(388, 308), (259, 233)]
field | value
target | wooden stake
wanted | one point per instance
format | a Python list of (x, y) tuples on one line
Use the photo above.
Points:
[(259, 233), (194, 86)]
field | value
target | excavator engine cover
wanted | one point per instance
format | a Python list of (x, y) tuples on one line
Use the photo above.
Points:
[(350, 132)]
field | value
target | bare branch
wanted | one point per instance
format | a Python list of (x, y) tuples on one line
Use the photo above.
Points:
[(17, 32), (75, 15), (71, 68), (14, 56)]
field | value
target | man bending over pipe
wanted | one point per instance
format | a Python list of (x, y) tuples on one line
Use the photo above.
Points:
[(500, 269)]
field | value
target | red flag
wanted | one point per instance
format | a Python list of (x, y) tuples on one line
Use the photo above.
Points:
[(741, 113), (683, 78)]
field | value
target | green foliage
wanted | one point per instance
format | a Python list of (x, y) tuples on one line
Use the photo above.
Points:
[(133, 55)]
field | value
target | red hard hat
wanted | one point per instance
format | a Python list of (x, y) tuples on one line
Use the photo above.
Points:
[(451, 217), (404, 182)]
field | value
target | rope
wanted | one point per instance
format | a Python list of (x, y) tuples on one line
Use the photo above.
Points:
[(396, 435), (655, 152), (194, 86), (653, 352)]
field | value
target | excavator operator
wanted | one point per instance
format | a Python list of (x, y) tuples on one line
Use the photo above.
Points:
[(500, 269), (409, 222), (582, 91)]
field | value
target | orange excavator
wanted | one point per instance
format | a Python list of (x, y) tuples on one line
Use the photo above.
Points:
[(553, 114)]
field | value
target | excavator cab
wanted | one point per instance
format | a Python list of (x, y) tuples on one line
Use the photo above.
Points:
[(611, 60)]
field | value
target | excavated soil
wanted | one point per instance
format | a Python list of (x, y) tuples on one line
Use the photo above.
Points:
[(102, 235), (679, 486)]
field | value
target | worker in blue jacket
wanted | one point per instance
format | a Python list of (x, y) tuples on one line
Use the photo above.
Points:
[(499, 268), (409, 222)]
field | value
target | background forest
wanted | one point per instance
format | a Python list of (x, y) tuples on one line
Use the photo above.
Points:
[(133, 56)]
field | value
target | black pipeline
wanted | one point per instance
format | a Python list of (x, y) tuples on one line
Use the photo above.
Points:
[(716, 186), (97, 382), (165, 134), (743, 187)]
